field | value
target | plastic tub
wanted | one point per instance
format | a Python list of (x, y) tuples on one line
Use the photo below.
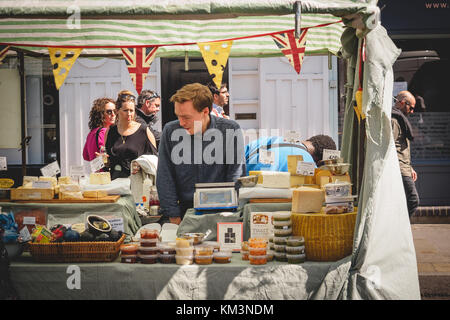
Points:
[(338, 189), (129, 249), (244, 246), (270, 255), (184, 243), (213, 244), (257, 251), (271, 246), (184, 259), (244, 255), (204, 250), (129, 258), (148, 242), (165, 248), (257, 260), (296, 258), (167, 258), (280, 256), (148, 258), (197, 238), (280, 248), (257, 243), (185, 251), (281, 215), (295, 241), (148, 250), (295, 250), (282, 232), (279, 240), (282, 223), (149, 234), (222, 256), (202, 259)]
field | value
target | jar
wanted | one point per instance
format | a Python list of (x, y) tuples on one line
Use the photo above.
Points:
[(222, 256), (148, 258), (257, 260), (129, 249), (203, 259), (183, 260), (148, 242), (295, 250), (257, 251), (149, 234), (204, 250), (244, 255), (296, 258), (280, 247), (185, 251), (295, 241), (280, 256), (167, 258), (129, 258), (244, 246), (148, 250), (153, 199)]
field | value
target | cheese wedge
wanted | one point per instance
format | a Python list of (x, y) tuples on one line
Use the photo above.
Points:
[(292, 163), (256, 173), (276, 179), (65, 180), (306, 199), (100, 178), (73, 187), (341, 178)]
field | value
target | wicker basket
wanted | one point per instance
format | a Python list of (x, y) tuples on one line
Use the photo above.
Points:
[(94, 251), (328, 237)]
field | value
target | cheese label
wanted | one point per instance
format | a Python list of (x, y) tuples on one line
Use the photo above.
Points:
[(41, 184), (331, 154), (266, 157), (97, 164), (62, 60), (261, 225), (215, 55), (292, 136), (76, 171), (305, 168), (3, 166), (51, 170)]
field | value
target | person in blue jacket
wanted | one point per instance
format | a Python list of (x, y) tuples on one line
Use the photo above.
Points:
[(311, 150)]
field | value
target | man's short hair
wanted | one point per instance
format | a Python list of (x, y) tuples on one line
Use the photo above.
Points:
[(146, 95), (319, 143), (199, 94), (214, 89)]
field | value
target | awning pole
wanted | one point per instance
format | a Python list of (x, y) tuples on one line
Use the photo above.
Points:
[(298, 18)]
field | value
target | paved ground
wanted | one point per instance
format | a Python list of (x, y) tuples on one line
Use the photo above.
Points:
[(432, 244)]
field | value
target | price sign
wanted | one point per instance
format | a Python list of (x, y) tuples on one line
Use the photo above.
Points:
[(292, 136), (51, 170), (3, 166), (266, 157), (305, 168), (76, 171), (97, 164), (331, 154)]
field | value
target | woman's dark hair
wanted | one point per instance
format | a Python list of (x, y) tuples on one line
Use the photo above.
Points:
[(97, 113)]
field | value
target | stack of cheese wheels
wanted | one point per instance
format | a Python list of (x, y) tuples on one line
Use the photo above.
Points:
[(328, 237), (282, 229)]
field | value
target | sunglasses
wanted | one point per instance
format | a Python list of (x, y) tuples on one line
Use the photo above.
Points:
[(129, 96), (153, 96), (109, 112)]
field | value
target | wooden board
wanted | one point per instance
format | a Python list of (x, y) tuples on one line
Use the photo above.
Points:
[(107, 199), (267, 200)]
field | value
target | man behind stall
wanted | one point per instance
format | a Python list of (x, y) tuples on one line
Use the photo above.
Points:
[(147, 108), (311, 150), (220, 99), (196, 148)]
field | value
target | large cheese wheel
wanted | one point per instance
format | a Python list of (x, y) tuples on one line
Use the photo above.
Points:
[(328, 237), (306, 199)]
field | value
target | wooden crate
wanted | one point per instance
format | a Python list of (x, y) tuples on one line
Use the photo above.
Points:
[(32, 194)]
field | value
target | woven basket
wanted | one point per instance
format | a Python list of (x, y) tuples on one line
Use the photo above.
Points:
[(94, 251), (328, 237)]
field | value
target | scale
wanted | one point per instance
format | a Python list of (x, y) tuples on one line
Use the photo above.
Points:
[(215, 197)]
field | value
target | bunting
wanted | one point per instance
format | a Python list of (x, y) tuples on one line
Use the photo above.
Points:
[(293, 49), (62, 60), (215, 55), (138, 62), (3, 51)]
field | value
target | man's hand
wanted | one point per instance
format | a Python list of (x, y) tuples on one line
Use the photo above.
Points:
[(135, 168), (413, 175), (176, 220)]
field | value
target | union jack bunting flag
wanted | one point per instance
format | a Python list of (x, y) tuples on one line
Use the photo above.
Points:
[(293, 49), (138, 62), (3, 51)]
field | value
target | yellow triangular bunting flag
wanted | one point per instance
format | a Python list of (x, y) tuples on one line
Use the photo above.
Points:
[(62, 60), (216, 55)]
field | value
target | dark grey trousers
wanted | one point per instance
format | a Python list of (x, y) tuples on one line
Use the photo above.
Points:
[(412, 197)]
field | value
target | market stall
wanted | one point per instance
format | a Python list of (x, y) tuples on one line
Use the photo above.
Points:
[(382, 263)]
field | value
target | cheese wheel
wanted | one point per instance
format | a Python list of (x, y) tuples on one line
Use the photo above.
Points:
[(292, 163), (276, 179), (328, 237), (306, 199), (100, 178)]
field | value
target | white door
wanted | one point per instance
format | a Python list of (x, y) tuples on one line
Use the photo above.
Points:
[(88, 80)]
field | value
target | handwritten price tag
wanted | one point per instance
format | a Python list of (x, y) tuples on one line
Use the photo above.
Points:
[(76, 171), (97, 164), (331, 154), (51, 169), (292, 136), (305, 168), (266, 157)]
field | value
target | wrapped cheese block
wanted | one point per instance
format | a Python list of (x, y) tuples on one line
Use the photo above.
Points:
[(65, 180), (95, 193), (28, 180), (53, 180), (70, 195), (328, 237), (73, 187), (306, 199), (100, 178), (276, 179)]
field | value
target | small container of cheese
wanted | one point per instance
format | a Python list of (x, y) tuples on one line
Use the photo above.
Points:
[(286, 231), (281, 215)]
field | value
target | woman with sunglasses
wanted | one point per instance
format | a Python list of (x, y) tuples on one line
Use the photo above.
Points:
[(128, 139), (101, 116)]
